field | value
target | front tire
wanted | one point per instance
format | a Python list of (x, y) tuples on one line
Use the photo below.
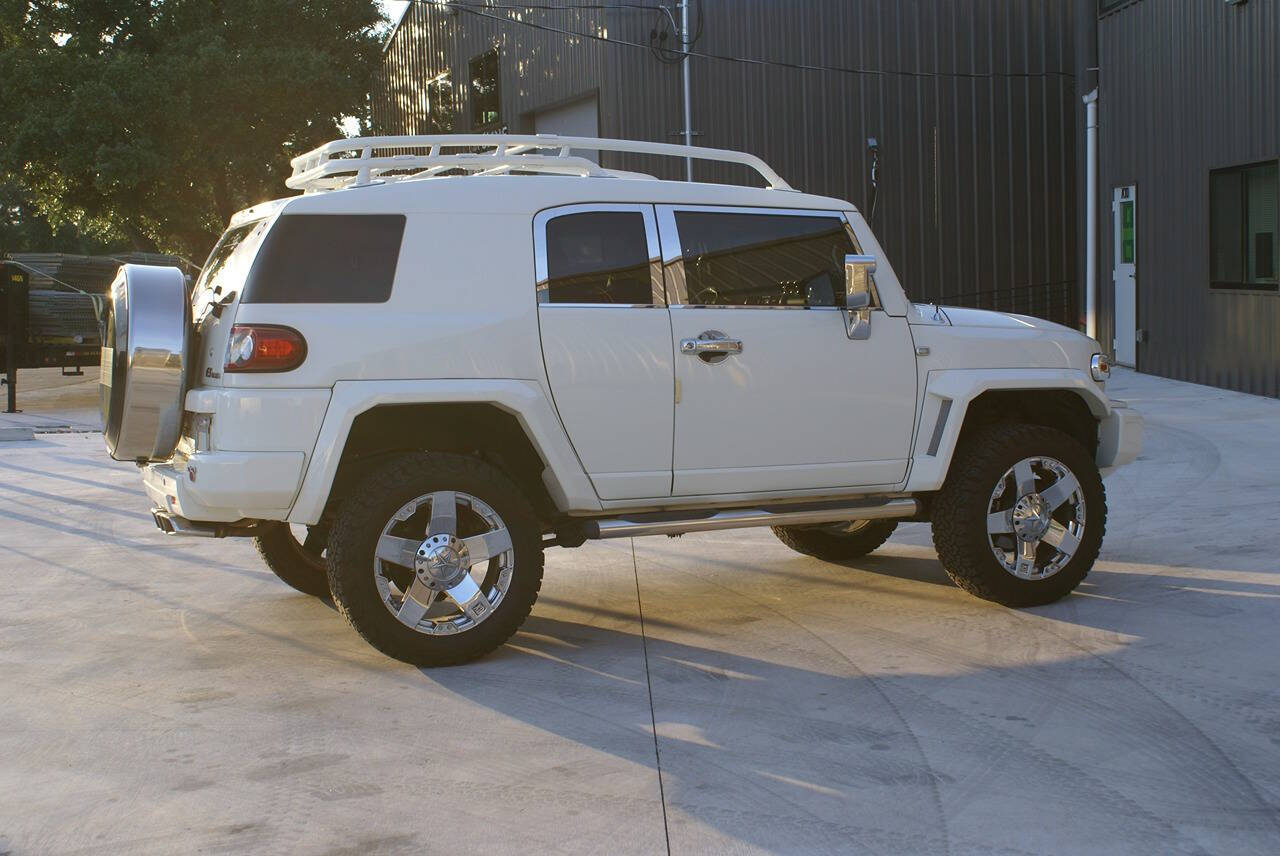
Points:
[(837, 542), (435, 559), (299, 564), (1021, 516)]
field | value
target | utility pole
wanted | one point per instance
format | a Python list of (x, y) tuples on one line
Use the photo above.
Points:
[(684, 65)]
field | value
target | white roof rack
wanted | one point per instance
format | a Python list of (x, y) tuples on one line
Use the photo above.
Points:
[(363, 160)]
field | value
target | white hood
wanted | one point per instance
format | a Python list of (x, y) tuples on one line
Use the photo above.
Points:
[(930, 314)]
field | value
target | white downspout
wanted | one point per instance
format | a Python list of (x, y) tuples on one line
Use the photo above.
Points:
[(1091, 216)]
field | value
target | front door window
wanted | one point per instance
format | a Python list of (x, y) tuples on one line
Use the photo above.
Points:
[(735, 259)]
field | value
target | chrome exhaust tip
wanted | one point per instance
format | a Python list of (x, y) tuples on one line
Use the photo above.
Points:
[(172, 524)]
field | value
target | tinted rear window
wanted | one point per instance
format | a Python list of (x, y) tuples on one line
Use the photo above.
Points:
[(327, 258), (598, 257)]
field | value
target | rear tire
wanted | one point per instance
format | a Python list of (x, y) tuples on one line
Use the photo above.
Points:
[(404, 559), (1006, 484), (826, 543), (298, 565)]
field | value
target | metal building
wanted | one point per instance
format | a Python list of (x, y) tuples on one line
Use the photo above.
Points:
[(1189, 138), (972, 106)]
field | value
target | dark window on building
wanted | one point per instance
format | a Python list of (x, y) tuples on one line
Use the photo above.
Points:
[(1243, 234), (763, 259), (597, 257), (485, 103), (327, 258)]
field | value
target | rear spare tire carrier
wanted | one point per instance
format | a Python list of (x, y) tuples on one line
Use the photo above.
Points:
[(144, 357)]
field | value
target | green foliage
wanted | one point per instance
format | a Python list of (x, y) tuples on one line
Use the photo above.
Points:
[(153, 121), (24, 230)]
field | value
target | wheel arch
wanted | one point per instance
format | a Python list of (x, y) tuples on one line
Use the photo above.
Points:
[(508, 423), (481, 429), (956, 403)]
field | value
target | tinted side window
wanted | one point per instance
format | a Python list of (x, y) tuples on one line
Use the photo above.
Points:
[(597, 257), (226, 245), (219, 273), (763, 259), (327, 258)]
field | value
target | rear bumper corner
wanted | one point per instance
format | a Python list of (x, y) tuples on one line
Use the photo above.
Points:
[(225, 487)]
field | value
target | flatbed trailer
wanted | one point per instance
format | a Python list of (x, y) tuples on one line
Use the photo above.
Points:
[(40, 328)]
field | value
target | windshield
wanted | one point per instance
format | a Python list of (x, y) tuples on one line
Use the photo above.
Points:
[(228, 257)]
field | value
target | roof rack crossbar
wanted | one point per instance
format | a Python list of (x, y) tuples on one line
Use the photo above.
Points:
[(358, 161)]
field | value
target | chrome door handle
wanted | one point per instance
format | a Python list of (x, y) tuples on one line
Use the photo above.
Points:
[(711, 342)]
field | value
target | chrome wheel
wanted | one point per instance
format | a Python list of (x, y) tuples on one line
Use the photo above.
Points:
[(443, 562), (1036, 518)]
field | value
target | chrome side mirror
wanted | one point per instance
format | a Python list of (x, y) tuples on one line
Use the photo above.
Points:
[(857, 295)]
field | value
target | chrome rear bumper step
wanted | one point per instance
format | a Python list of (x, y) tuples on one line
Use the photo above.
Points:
[(676, 523)]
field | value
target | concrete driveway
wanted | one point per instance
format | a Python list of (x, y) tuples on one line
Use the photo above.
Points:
[(167, 695)]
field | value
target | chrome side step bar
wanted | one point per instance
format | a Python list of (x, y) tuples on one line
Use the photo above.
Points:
[(669, 523)]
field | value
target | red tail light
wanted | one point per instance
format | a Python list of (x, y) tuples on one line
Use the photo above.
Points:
[(264, 348)]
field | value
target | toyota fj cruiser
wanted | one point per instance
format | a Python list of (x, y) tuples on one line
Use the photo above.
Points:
[(450, 353)]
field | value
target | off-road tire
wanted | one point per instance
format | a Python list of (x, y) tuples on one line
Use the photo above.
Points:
[(960, 510), (836, 547), (291, 561), (359, 523)]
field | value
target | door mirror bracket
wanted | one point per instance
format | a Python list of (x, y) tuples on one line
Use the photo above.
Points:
[(857, 295)]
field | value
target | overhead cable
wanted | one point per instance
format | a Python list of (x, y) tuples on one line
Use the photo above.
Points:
[(475, 10)]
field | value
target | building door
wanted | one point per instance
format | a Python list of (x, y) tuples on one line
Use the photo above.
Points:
[(576, 119), (1125, 276), (772, 394)]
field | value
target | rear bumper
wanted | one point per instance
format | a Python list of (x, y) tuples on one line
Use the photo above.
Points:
[(225, 487), (1119, 437)]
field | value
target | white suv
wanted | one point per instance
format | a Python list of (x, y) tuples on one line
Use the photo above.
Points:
[(451, 353)]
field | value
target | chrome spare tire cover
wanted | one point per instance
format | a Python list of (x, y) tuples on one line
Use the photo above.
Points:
[(144, 356)]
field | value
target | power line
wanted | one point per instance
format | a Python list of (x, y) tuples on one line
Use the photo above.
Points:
[(474, 9), (47, 276)]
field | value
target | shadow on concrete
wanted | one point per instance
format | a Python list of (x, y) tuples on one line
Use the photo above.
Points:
[(842, 757), (131, 489)]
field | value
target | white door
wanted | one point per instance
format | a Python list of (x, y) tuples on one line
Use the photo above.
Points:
[(606, 343), (799, 405), (579, 118), (1124, 213)]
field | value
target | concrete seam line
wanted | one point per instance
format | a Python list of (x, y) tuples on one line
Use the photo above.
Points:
[(653, 719)]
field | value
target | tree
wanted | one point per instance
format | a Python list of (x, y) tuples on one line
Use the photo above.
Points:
[(24, 229), (153, 121)]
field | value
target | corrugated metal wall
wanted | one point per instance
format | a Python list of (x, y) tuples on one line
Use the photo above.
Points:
[(1185, 88), (538, 69), (977, 198)]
